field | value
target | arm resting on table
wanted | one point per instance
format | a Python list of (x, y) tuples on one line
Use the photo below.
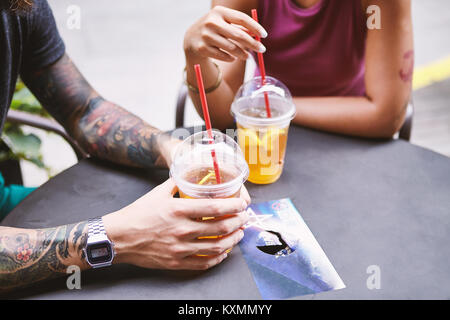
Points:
[(102, 128), (28, 256)]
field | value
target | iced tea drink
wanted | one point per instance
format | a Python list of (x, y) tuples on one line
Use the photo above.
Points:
[(207, 177), (264, 150), (262, 139), (193, 172)]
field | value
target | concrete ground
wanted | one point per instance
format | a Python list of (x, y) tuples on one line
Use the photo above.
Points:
[(131, 52)]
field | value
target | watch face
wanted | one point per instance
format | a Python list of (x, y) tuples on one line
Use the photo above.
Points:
[(99, 252)]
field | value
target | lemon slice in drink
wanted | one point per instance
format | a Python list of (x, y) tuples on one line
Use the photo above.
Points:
[(206, 178), (248, 137), (271, 139)]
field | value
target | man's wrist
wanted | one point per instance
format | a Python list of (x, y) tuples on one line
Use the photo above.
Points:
[(167, 146), (116, 233)]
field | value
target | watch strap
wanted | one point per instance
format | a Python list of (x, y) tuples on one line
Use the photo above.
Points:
[(96, 227)]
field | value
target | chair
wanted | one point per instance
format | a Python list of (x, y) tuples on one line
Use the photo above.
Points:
[(404, 133), (11, 168), (405, 130)]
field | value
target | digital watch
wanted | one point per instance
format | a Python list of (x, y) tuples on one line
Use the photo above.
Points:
[(99, 250)]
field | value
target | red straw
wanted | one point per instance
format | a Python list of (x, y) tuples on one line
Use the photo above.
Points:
[(262, 68), (201, 89)]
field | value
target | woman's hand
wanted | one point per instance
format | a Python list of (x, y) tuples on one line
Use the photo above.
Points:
[(160, 231), (223, 34)]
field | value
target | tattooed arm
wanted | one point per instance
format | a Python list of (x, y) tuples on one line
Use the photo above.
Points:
[(102, 128), (156, 231), (28, 256)]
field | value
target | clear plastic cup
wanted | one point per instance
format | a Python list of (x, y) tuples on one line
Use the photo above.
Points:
[(262, 139), (193, 170)]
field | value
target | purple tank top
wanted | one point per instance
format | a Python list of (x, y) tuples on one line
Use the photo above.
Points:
[(317, 51)]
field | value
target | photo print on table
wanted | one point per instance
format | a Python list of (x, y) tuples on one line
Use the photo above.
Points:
[(283, 255)]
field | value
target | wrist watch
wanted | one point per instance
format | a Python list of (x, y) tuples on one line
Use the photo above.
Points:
[(99, 251)]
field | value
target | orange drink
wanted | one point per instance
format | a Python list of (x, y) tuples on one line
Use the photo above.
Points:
[(207, 177), (193, 172), (264, 151), (263, 139)]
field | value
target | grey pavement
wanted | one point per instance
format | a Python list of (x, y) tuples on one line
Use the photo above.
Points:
[(131, 52), (431, 23)]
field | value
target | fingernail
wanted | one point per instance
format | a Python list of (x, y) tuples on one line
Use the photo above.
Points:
[(244, 205), (263, 33), (241, 235), (261, 48)]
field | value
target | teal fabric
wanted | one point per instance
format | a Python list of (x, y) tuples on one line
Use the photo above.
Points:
[(11, 196)]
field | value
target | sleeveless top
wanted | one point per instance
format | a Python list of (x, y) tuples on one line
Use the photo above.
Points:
[(317, 51)]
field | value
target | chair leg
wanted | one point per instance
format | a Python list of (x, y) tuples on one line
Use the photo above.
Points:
[(12, 174), (181, 106), (405, 131)]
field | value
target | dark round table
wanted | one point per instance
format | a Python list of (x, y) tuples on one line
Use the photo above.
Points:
[(382, 203)]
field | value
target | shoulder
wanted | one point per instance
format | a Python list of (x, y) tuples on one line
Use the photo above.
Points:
[(40, 17), (40, 11), (44, 45), (41, 8)]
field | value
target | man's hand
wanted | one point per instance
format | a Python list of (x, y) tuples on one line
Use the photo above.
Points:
[(168, 148), (160, 231), (156, 231)]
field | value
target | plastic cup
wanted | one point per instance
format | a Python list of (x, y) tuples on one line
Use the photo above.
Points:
[(262, 139), (193, 171)]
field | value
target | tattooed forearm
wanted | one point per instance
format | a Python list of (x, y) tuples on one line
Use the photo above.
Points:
[(108, 131), (102, 128), (28, 256)]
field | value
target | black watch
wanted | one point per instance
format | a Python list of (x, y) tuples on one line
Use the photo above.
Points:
[(99, 251)]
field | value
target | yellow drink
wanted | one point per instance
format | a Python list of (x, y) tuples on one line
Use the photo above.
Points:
[(263, 139), (264, 150)]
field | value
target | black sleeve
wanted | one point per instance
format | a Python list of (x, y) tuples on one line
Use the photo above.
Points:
[(43, 45)]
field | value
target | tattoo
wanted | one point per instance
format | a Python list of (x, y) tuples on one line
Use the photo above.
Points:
[(29, 256), (112, 132), (102, 128), (407, 70)]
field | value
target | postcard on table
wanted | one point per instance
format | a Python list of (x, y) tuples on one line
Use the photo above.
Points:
[(283, 255)]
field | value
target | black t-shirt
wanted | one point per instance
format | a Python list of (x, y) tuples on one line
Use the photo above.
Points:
[(28, 42)]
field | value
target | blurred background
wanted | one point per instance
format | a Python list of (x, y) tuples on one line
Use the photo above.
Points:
[(131, 52)]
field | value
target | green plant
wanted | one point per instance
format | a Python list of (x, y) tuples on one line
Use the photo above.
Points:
[(16, 144)]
